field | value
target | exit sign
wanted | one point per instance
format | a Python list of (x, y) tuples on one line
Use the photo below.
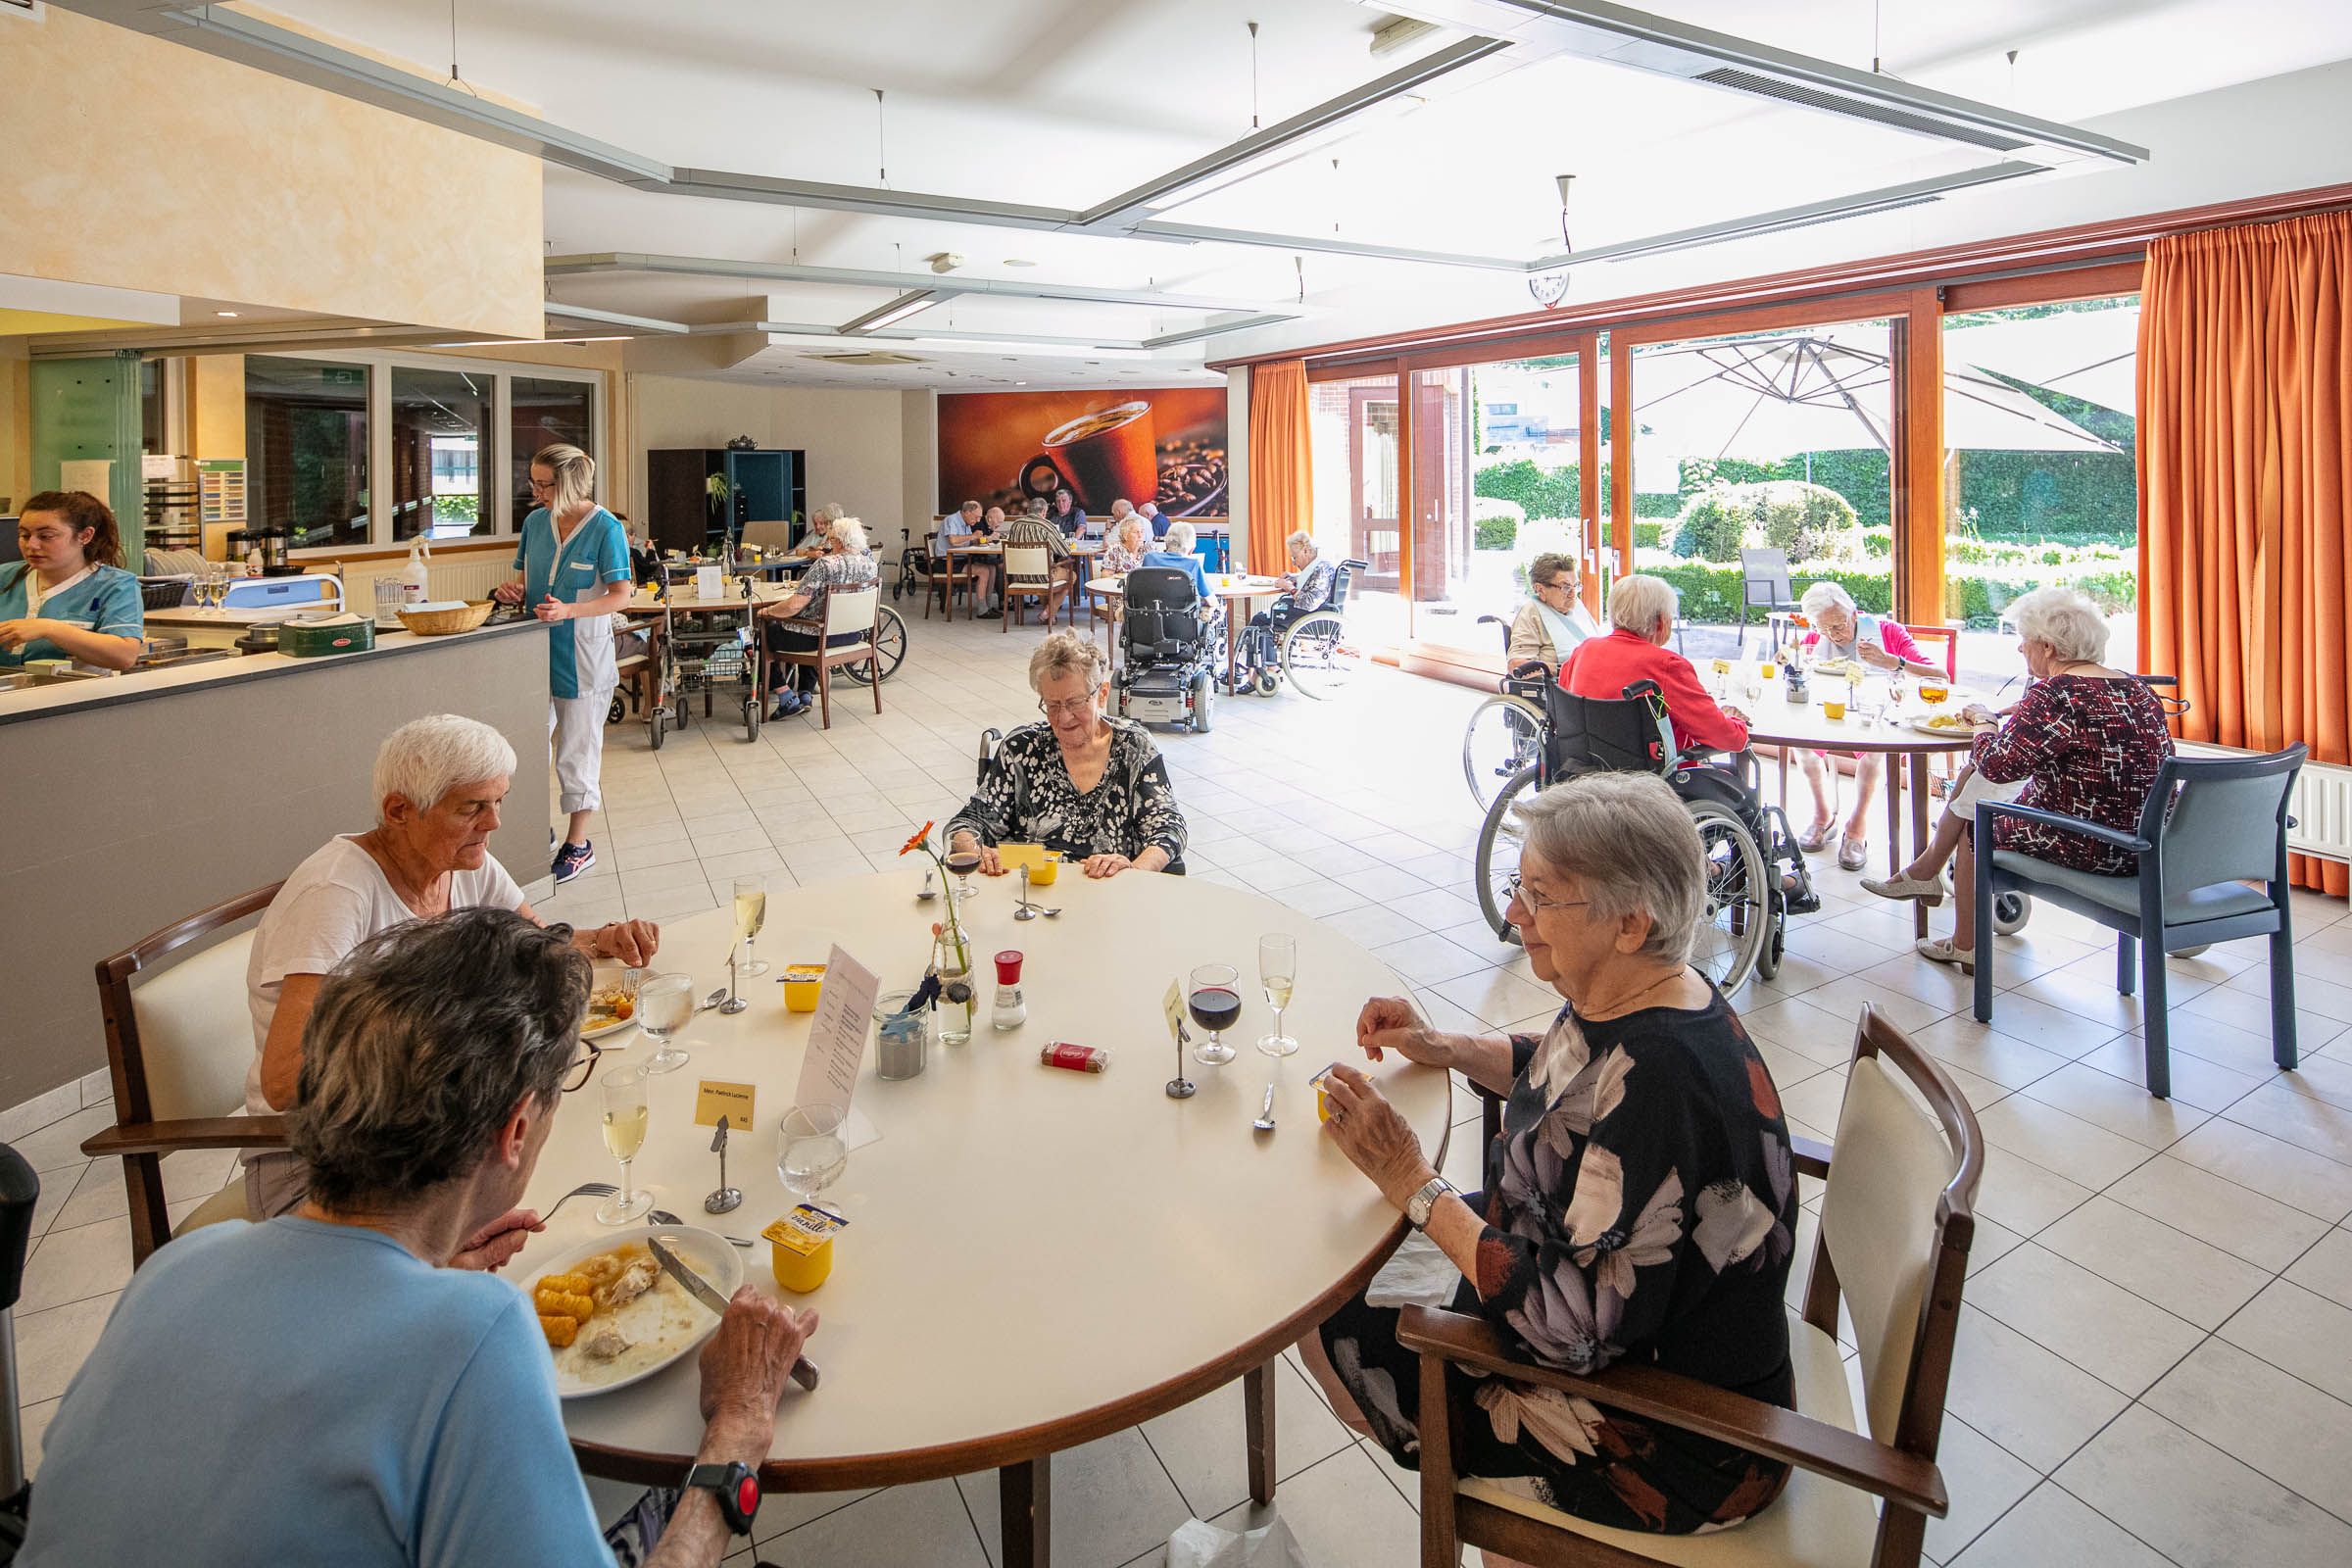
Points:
[(343, 374)]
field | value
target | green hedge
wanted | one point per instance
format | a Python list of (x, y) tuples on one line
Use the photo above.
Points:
[(1494, 533), (1974, 596), (1808, 522)]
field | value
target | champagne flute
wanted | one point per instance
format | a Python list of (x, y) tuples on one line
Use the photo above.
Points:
[(626, 1118), (811, 1152), (665, 1006), (1215, 999), (1277, 971), (751, 913)]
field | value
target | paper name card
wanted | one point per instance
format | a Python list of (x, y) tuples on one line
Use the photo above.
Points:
[(837, 1033), (714, 1099), (1172, 1004), (1013, 857)]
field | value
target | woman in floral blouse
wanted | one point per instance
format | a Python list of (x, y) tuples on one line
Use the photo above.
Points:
[(1125, 551), (1085, 784), (1639, 1204)]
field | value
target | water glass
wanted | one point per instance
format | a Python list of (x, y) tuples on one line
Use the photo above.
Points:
[(665, 1005), (811, 1152)]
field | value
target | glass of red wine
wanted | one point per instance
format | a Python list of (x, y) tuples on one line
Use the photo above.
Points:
[(1216, 1000), (963, 863)]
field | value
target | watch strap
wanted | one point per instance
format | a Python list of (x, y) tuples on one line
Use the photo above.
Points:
[(734, 1486), (1417, 1209)]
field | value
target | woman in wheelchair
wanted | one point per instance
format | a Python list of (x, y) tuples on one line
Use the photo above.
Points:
[(1088, 785), (1642, 610), (1639, 1205), (1553, 621), (1309, 583)]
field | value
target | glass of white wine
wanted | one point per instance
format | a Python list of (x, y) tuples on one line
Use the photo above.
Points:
[(624, 1134), (751, 913), (665, 1006), (1277, 973), (811, 1152)]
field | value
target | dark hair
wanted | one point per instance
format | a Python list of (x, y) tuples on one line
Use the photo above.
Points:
[(81, 510), (420, 1045), (1548, 566)]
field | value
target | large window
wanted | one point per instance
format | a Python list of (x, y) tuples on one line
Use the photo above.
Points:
[(546, 412), (440, 422), (1355, 431), (306, 448)]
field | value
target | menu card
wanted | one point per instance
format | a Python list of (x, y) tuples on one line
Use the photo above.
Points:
[(837, 1033), (706, 582)]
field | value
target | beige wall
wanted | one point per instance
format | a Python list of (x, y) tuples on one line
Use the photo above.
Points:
[(857, 442), (16, 422), (140, 163)]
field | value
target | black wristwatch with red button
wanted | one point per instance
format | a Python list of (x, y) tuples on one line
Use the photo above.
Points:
[(735, 1487)]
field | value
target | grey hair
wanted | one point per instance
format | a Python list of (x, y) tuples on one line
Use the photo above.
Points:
[(1137, 523), (1033, 506), (420, 1045), (830, 513), (2065, 618), (1637, 601), (1299, 540), (1629, 845), (969, 506), (1826, 596), (1178, 540), (574, 472), (427, 757), (1065, 652), (850, 534)]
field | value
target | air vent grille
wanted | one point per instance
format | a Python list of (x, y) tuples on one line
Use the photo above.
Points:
[(875, 357), (1760, 87)]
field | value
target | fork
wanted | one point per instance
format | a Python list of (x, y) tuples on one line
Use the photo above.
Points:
[(659, 1217)]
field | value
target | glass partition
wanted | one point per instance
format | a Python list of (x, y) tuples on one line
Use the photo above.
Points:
[(546, 411), (1355, 430), (306, 448), (440, 422)]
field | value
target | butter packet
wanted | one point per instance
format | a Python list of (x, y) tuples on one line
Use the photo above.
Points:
[(806, 1229)]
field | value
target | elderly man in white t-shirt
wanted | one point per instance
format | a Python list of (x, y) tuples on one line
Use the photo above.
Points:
[(438, 783)]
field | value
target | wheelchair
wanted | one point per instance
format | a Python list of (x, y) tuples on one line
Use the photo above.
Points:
[(1167, 665), (1743, 929), (1505, 732), (1311, 650)]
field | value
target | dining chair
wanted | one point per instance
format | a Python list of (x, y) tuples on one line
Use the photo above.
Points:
[(1028, 575), (1948, 636), (2208, 829), (1764, 585), (845, 611), (179, 1043), (949, 572), (1898, 1216)]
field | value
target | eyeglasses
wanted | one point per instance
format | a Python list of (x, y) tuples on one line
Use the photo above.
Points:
[(1069, 704), (541, 484), (1515, 894), (576, 1075), (1556, 582)]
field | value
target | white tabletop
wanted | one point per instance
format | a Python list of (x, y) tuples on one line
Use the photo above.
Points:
[(1231, 587), (682, 597), (1773, 720), (1027, 1246)]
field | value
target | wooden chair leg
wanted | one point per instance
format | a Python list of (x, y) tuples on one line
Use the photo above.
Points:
[(2152, 1016), (1257, 1421), (873, 670), (825, 692)]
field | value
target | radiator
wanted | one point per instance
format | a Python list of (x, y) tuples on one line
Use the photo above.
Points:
[(468, 576), (2320, 805)]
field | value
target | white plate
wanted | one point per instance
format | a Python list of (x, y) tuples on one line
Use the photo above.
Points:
[(601, 1030), (1965, 732), (706, 1251)]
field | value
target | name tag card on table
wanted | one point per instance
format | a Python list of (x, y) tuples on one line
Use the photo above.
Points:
[(715, 1098), (837, 1036)]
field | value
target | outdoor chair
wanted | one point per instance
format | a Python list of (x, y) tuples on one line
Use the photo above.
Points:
[(2194, 856), (844, 613), (1897, 1222), (1763, 585)]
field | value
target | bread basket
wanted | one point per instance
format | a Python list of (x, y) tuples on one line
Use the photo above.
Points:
[(441, 622)]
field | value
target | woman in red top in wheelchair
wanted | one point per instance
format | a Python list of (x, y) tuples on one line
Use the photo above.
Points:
[(1642, 611)]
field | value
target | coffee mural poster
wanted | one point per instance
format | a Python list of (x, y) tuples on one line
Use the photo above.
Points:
[(1000, 448)]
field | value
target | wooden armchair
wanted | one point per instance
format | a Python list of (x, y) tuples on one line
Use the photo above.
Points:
[(1896, 1225), (177, 1047)]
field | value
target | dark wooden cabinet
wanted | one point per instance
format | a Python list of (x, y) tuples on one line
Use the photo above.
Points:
[(683, 511)]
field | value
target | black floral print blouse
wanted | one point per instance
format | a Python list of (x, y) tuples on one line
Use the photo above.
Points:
[(1026, 796), (2089, 746)]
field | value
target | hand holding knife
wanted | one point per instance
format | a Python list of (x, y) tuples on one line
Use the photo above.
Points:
[(804, 1370)]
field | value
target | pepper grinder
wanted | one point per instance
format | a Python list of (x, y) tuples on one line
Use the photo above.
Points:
[(726, 1198)]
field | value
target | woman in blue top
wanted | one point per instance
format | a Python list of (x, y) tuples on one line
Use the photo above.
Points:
[(71, 597), (573, 562)]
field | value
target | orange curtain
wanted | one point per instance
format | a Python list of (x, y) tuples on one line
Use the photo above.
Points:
[(2245, 463), (1282, 470)]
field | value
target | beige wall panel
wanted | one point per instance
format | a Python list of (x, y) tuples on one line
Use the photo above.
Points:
[(856, 451)]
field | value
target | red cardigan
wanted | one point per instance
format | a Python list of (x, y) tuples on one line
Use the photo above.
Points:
[(1603, 666)]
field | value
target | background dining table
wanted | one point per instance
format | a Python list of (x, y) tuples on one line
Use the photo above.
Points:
[(1083, 548)]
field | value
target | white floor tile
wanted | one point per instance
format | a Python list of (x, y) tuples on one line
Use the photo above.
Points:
[(2326, 1268), (2055, 1528), (925, 1523), (2300, 1332), (2118, 1338), (2027, 1398), (2200, 1507), (2277, 1423), (1348, 1509), (1203, 1445), (2151, 1259), (1111, 1500), (72, 1265)]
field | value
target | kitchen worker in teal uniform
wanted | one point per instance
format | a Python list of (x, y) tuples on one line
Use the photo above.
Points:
[(69, 598), (573, 558)]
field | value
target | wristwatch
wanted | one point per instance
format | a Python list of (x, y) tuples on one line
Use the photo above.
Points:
[(1418, 1206), (736, 1489)]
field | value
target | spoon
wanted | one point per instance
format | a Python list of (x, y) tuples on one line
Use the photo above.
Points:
[(712, 999), (1265, 1115)]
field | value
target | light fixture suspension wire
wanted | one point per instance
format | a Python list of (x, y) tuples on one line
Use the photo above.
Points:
[(455, 79), (1253, 76), (1876, 54), (881, 141)]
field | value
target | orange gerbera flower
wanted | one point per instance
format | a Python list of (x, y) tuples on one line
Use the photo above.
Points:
[(915, 843)]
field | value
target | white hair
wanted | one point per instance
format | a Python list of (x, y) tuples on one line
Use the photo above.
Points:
[(1178, 540), (1149, 509), (1637, 601), (1300, 540), (1133, 526), (831, 511), (426, 759), (1065, 652), (1122, 501), (1629, 845), (1826, 596), (850, 534), (2064, 618)]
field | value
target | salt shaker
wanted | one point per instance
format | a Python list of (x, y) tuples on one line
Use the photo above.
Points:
[(1010, 1011)]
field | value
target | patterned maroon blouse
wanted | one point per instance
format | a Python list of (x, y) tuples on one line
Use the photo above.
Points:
[(2089, 746)]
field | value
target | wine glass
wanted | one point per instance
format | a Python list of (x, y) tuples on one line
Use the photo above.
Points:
[(665, 1005), (751, 913), (624, 1134), (1277, 971), (1215, 999), (963, 863), (811, 1152)]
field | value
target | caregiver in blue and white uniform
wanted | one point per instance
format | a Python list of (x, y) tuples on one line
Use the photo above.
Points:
[(71, 597), (573, 558)]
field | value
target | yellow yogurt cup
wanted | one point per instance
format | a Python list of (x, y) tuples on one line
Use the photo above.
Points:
[(1831, 709), (803, 984)]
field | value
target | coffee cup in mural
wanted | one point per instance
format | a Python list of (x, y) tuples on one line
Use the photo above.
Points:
[(1104, 456)]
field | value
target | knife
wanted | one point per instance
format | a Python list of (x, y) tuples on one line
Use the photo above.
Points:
[(804, 1370)]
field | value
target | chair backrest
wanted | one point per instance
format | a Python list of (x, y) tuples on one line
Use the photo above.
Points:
[(767, 534), (1344, 578), (1027, 560), (989, 740), (1947, 635), (850, 609), (1897, 1222), (1765, 569), (1607, 735), (1162, 618), (179, 1042), (2227, 818)]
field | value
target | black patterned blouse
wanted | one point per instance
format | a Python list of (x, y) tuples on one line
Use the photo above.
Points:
[(2086, 745), (1026, 796)]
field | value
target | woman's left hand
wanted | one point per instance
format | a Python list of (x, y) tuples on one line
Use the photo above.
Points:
[(633, 942), (1979, 713), (1103, 865), (1374, 1136), (552, 610), (489, 1248)]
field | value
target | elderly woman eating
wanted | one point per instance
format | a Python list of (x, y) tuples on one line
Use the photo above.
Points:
[(1642, 609), (438, 785), (1842, 633), (2085, 739), (435, 1060), (1639, 1204), (1553, 622), (1084, 784)]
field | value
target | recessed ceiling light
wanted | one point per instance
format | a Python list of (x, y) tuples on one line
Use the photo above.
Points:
[(225, 313), (1010, 260), (1020, 384)]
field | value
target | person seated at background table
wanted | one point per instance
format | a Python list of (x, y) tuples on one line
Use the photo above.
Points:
[(343, 1384), (1308, 584), (1120, 510), (1642, 610), (1553, 621), (2085, 739), (71, 597), (820, 530), (1154, 519), (968, 528), (438, 783), (1066, 513), (1176, 550), (849, 565), (1125, 552), (1840, 631), (1034, 528), (1087, 785), (1639, 1204)]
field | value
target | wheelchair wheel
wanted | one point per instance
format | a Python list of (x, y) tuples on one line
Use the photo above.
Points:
[(618, 710), (1318, 657), (654, 723), (1204, 691), (2010, 913), (1499, 852), (1737, 920), (1504, 735), (1268, 683), (890, 646), (1768, 963)]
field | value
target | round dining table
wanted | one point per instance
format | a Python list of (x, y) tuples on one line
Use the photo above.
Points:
[(1035, 1257)]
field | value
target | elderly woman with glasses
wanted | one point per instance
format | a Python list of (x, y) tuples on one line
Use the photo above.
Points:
[(1842, 632), (1639, 1205), (1554, 620), (334, 1384), (1082, 783)]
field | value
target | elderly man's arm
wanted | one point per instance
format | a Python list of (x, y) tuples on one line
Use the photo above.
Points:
[(1528, 641)]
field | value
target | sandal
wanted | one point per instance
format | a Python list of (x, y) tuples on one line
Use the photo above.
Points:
[(1928, 892), (1815, 839), (1852, 854), (1942, 951)]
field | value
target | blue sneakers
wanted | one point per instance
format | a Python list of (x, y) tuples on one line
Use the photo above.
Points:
[(571, 860), (789, 705)]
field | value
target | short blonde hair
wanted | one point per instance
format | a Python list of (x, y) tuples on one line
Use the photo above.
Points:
[(850, 534), (1065, 652), (1629, 845), (427, 757), (575, 475), (1826, 595), (1637, 601), (2065, 618), (1300, 540)]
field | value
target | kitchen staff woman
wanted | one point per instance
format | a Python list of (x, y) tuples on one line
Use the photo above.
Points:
[(71, 597), (573, 558)]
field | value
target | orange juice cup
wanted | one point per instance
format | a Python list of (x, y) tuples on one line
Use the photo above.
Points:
[(1768, 669), (1043, 874), (1831, 709)]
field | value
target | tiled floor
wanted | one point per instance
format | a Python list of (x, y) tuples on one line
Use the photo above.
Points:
[(2155, 1362)]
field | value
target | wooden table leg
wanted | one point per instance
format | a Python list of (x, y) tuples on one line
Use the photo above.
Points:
[(1025, 1513), (1919, 827), (1257, 1421)]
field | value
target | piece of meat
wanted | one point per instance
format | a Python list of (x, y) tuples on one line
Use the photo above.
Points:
[(605, 1343), (632, 1281)]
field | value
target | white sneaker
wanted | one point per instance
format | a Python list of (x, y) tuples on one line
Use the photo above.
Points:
[(1927, 892)]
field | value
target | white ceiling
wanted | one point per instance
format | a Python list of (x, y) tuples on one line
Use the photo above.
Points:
[(1065, 103)]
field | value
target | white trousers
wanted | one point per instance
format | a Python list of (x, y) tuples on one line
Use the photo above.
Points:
[(576, 727)]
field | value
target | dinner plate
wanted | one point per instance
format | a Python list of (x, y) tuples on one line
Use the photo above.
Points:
[(1964, 732), (705, 1251), (606, 1030)]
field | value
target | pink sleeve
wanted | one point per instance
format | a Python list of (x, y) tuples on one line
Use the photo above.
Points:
[(1899, 642)]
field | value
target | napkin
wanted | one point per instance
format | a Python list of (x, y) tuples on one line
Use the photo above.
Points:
[(1417, 1274)]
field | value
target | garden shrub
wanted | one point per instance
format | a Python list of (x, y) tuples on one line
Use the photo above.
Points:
[(1494, 533), (1711, 525)]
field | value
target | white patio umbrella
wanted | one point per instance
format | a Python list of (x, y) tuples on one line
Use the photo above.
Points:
[(2090, 355)]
